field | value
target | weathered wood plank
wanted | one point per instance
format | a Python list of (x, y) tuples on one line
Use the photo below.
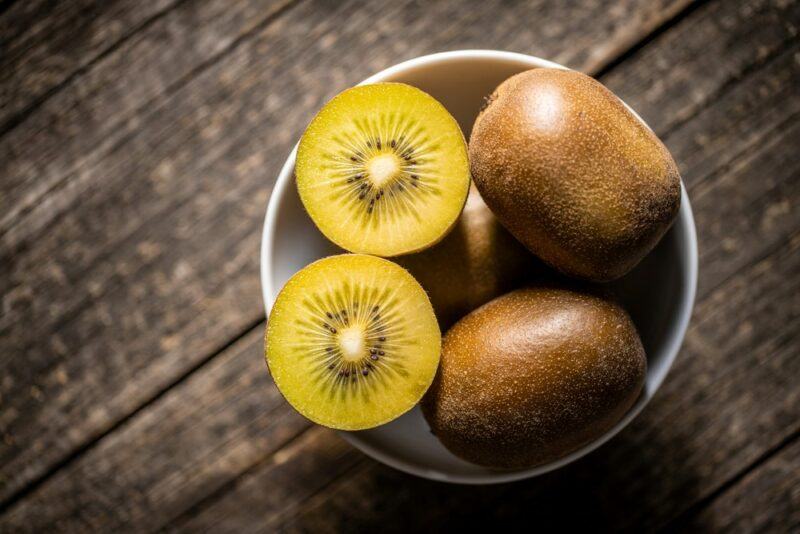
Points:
[(161, 234), (195, 439), (675, 82), (295, 473), (42, 45), (766, 500), (99, 108), (668, 437)]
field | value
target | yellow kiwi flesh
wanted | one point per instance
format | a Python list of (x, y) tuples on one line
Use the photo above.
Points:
[(534, 375), (352, 341), (382, 169), (477, 261), (573, 174)]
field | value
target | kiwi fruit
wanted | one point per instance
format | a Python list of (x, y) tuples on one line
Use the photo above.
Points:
[(534, 375), (477, 261), (382, 169), (352, 341), (573, 174)]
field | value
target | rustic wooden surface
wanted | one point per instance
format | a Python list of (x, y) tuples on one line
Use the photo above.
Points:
[(138, 146)]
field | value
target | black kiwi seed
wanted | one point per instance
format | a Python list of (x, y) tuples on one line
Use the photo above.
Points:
[(394, 143), (331, 366), (378, 144), (373, 357), (382, 338), (373, 351), (353, 158), (381, 353), (329, 314), (365, 372)]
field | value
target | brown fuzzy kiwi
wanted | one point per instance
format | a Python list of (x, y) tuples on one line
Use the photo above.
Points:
[(534, 375), (573, 174), (478, 261)]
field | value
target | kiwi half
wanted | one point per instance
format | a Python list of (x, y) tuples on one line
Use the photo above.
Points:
[(352, 341), (382, 169)]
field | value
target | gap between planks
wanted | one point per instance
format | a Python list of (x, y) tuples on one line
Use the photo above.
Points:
[(5, 4), (79, 451), (234, 481), (722, 489), (168, 91), (18, 117)]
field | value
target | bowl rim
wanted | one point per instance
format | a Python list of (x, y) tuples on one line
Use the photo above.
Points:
[(676, 335)]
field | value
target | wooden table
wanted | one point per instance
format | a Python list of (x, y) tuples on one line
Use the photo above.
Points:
[(139, 142)]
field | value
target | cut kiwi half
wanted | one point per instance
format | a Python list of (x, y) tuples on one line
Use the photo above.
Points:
[(383, 169), (352, 341)]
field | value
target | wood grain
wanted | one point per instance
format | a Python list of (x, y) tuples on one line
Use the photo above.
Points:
[(767, 500), (169, 458), (43, 44), (700, 421), (155, 228), (96, 110)]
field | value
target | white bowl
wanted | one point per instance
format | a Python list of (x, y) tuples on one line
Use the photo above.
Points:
[(659, 293)]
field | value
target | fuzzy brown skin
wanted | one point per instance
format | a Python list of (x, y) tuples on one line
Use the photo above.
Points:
[(572, 174), (477, 261), (534, 375)]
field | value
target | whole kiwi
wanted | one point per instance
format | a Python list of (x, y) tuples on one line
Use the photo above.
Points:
[(534, 375), (573, 174), (477, 261)]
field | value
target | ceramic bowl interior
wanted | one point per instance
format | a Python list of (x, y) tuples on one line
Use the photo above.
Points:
[(659, 293)]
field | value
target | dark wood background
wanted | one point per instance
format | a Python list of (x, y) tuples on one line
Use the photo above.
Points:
[(139, 142)]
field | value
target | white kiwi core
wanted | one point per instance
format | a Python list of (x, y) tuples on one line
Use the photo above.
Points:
[(351, 343), (383, 169)]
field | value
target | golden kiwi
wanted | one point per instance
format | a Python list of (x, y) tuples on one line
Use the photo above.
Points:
[(573, 174), (534, 375), (382, 169), (477, 261), (352, 341)]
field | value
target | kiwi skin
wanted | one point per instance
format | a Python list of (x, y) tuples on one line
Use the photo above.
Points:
[(573, 174), (534, 375), (477, 261)]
